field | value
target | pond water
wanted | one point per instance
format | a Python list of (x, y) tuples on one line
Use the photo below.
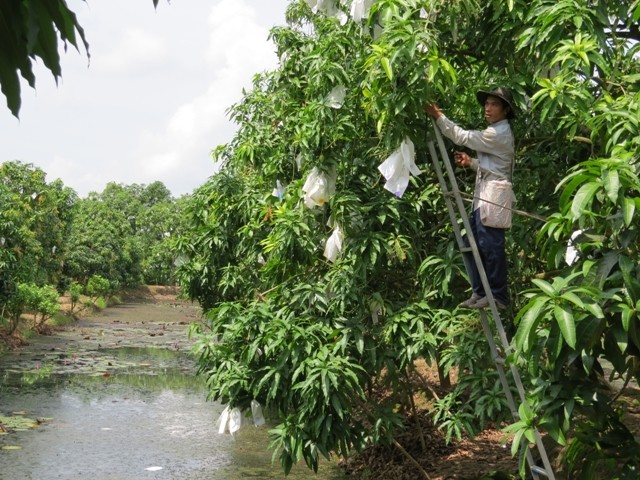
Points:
[(120, 414)]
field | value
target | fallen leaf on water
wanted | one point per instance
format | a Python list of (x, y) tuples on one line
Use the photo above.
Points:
[(153, 469), (106, 374), (21, 412), (11, 447)]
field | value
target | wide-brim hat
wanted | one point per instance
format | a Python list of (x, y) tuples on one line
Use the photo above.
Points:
[(503, 94)]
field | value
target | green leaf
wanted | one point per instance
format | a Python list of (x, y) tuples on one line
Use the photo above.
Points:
[(628, 210), (612, 184), (546, 287), (566, 322), (386, 65), (621, 338), (594, 309), (528, 322), (325, 385), (337, 405), (10, 83), (573, 298), (556, 432), (517, 440), (583, 199), (525, 413), (626, 316)]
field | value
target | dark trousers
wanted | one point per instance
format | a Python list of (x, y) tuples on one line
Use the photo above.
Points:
[(490, 243)]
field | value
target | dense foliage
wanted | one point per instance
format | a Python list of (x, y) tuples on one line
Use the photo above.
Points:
[(125, 234), (52, 240), (34, 224), (315, 340)]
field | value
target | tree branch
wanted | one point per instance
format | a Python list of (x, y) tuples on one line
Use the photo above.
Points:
[(412, 460)]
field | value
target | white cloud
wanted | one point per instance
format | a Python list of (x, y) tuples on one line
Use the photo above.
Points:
[(136, 49), (195, 128)]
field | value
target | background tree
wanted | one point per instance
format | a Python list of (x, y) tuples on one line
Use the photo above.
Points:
[(160, 227), (34, 224), (313, 339), (50, 239), (100, 244), (125, 234)]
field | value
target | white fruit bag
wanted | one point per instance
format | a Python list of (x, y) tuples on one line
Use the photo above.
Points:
[(360, 9), (318, 187), (235, 420), (256, 412), (279, 190), (224, 419), (398, 167), (334, 245), (335, 99)]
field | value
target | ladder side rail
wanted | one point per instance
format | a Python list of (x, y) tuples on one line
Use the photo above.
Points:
[(511, 403), (450, 208), (447, 195)]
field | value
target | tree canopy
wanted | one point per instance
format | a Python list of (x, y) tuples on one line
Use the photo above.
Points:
[(316, 337)]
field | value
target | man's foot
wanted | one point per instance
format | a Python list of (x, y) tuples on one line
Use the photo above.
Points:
[(484, 303), (470, 301)]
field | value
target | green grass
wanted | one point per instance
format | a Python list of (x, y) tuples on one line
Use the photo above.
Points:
[(61, 319), (101, 303)]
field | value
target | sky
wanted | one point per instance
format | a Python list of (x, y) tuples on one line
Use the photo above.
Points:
[(150, 103)]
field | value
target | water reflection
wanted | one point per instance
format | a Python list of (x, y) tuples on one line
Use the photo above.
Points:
[(136, 414)]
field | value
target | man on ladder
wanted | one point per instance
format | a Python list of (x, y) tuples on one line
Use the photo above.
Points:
[(491, 215), (494, 167)]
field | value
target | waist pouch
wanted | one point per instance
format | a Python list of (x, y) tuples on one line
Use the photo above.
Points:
[(495, 212)]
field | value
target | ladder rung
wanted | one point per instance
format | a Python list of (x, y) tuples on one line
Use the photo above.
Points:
[(500, 360), (539, 470), (466, 249)]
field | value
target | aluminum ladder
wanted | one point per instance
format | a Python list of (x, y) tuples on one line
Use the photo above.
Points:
[(499, 356)]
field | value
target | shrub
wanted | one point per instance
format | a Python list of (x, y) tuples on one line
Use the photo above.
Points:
[(75, 289), (97, 286)]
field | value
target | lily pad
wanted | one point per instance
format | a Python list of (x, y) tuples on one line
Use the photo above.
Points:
[(19, 423)]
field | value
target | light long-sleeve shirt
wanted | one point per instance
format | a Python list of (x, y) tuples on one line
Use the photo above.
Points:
[(494, 147)]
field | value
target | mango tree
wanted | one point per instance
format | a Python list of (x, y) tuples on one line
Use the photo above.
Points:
[(34, 223), (100, 243)]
